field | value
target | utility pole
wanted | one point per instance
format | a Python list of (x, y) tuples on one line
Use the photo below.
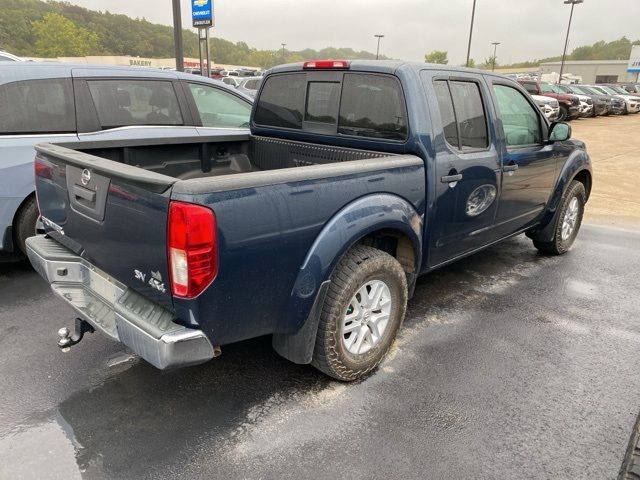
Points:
[(473, 15), (573, 3), (283, 45), (378, 36), (495, 48), (177, 36)]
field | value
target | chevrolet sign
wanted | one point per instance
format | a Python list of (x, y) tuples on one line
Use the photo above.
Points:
[(202, 13)]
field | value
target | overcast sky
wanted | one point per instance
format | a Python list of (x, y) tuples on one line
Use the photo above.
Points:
[(528, 29)]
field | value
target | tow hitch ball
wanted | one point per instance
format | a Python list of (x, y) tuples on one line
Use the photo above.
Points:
[(67, 340)]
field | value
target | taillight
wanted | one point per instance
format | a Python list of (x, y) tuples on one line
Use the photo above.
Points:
[(191, 248), (325, 64), (42, 170)]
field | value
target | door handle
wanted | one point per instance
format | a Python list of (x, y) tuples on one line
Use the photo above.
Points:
[(510, 168), (451, 178)]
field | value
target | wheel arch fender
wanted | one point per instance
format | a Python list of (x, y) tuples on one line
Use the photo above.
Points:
[(577, 166), (360, 220)]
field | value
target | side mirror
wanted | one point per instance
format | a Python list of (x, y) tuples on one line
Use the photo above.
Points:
[(559, 132)]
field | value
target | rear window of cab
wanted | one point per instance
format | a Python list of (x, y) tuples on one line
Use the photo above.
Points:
[(354, 104)]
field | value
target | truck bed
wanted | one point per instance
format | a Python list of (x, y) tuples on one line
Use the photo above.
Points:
[(272, 198), (201, 157)]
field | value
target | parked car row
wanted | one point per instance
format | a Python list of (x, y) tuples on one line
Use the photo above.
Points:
[(629, 87), (576, 101), (247, 85)]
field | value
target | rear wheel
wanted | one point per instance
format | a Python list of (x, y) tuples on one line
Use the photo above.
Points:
[(26, 223), (568, 223), (362, 312)]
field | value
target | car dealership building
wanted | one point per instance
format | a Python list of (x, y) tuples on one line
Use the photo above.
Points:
[(593, 71)]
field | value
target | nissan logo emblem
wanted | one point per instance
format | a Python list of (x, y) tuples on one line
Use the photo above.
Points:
[(85, 177)]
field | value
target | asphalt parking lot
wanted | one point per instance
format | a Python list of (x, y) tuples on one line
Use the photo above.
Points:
[(510, 365)]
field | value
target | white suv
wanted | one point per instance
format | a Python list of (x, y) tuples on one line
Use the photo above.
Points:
[(632, 102)]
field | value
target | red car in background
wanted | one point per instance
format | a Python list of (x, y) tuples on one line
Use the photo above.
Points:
[(569, 104)]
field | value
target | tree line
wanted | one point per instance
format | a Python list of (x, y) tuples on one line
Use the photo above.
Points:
[(34, 28)]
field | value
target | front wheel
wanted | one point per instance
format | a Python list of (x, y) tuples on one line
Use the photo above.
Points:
[(568, 222), (362, 312)]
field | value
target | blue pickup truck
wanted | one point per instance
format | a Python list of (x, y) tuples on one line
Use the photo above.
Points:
[(356, 178)]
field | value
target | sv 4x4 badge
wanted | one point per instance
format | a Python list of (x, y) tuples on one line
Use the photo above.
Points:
[(155, 280)]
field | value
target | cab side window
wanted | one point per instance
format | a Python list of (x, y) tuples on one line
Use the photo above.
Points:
[(462, 113), (521, 123)]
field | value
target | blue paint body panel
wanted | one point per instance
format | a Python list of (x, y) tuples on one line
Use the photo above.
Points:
[(276, 253)]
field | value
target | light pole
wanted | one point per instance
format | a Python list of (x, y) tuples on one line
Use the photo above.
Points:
[(378, 36), (177, 36), (573, 3), (473, 14), (495, 48), (283, 45)]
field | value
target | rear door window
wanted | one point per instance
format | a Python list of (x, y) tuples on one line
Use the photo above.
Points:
[(135, 102), (472, 122), (447, 115), (372, 106), (37, 106), (462, 113)]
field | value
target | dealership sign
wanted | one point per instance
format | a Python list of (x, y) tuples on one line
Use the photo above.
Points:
[(634, 61), (202, 13)]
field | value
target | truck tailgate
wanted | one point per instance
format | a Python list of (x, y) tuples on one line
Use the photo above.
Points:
[(111, 214)]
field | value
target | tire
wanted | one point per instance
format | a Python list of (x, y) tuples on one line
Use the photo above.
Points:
[(563, 116), (360, 268), (560, 245), (26, 223)]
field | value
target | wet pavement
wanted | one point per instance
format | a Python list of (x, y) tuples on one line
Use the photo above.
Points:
[(510, 365)]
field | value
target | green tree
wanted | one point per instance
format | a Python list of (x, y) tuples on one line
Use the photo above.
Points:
[(436, 56), (472, 63), (489, 64), (57, 36)]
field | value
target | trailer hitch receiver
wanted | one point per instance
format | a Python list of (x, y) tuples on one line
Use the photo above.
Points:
[(68, 340)]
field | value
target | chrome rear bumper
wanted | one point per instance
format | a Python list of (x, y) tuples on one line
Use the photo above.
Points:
[(116, 310)]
